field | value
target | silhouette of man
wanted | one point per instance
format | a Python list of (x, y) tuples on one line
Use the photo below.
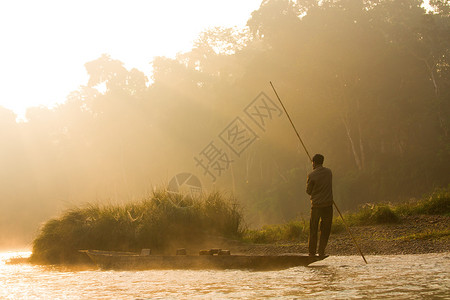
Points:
[(319, 187)]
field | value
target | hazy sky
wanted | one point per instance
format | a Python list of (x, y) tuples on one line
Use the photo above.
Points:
[(45, 44)]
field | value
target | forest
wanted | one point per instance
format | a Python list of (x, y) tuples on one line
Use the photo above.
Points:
[(367, 84)]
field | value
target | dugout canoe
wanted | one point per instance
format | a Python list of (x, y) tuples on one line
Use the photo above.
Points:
[(135, 261)]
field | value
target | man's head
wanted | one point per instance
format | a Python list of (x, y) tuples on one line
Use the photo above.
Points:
[(317, 160)]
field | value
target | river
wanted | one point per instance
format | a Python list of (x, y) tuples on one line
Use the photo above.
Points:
[(424, 276)]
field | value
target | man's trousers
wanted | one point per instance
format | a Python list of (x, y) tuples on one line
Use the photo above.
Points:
[(325, 216)]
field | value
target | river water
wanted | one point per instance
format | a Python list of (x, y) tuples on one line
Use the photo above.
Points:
[(341, 277)]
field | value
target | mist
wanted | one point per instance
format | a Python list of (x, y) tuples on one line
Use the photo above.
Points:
[(367, 84)]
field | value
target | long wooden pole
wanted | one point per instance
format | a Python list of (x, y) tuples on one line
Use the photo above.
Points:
[(309, 156), (348, 229), (292, 123)]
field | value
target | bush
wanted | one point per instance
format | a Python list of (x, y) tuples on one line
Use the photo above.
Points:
[(158, 223)]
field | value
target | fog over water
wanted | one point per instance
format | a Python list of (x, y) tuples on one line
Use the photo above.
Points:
[(422, 276)]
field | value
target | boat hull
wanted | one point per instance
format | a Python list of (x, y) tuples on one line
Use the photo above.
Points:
[(128, 261)]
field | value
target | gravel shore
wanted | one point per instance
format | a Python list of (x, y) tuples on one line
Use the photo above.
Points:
[(412, 235)]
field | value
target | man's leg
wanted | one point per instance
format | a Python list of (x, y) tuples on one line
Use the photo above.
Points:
[(326, 215), (313, 226)]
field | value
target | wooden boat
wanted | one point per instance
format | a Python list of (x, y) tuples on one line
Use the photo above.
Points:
[(209, 260)]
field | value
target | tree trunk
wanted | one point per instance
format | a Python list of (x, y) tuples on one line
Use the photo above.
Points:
[(361, 147), (352, 144)]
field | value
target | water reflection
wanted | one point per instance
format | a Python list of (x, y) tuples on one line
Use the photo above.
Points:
[(399, 277)]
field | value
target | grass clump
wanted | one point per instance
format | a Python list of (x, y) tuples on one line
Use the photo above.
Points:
[(337, 225), (437, 203), (291, 231), (162, 221), (370, 214)]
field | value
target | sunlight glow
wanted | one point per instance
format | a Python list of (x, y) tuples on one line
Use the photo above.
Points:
[(45, 44)]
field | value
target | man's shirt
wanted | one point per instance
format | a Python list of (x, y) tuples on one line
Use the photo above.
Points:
[(319, 186)]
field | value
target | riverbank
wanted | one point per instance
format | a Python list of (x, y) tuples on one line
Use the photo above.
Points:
[(416, 234), (419, 234), (166, 222)]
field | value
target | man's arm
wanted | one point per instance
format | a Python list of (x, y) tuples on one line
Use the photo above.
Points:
[(309, 186)]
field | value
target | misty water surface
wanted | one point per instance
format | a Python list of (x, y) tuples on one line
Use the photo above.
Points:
[(394, 277)]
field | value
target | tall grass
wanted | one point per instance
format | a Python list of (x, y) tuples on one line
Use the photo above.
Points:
[(166, 220), (371, 214), (291, 231), (159, 222), (296, 231), (437, 203)]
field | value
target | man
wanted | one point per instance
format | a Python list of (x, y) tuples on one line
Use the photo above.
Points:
[(319, 187)]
